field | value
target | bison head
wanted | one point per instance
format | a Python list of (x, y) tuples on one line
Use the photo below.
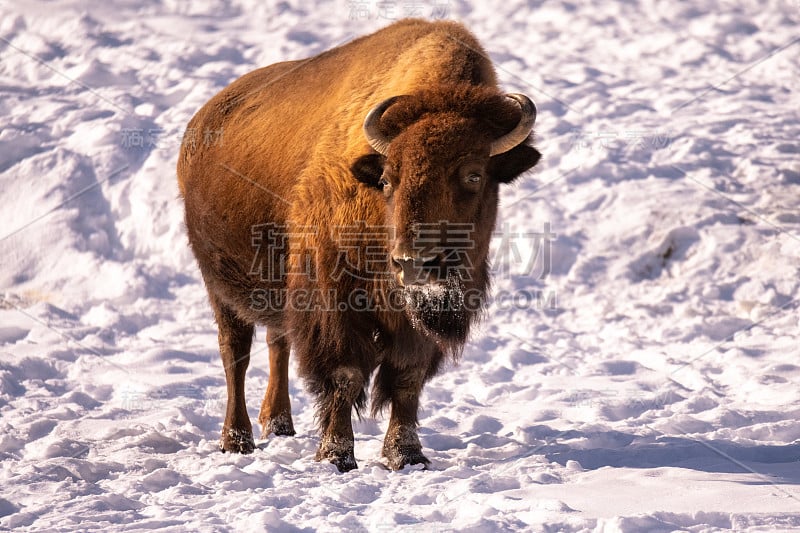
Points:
[(441, 157)]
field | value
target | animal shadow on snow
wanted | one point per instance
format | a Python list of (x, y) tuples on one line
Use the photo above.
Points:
[(777, 464)]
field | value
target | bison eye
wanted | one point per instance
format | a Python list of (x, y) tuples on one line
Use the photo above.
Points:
[(472, 181), (385, 186)]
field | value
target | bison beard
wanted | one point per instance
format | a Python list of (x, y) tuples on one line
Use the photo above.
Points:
[(439, 310), (403, 129)]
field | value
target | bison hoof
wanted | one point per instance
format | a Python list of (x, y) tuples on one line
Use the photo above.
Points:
[(345, 462), (400, 456), (342, 457), (237, 441), (280, 425)]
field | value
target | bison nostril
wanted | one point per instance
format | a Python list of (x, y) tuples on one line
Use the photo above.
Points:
[(399, 263), (416, 270), (431, 262)]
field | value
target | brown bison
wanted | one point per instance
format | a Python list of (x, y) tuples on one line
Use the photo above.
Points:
[(349, 207)]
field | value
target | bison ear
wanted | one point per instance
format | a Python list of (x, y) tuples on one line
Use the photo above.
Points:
[(368, 169), (506, 167)]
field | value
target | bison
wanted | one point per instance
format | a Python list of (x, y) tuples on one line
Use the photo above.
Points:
[(347, 204)]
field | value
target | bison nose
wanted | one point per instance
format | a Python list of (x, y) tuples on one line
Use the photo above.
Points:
[(407, 274), (414, 270)]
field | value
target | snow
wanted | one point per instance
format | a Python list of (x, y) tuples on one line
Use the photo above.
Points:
[(638, 368)]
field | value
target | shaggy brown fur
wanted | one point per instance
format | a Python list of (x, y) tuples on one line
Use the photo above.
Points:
[(294, 193)]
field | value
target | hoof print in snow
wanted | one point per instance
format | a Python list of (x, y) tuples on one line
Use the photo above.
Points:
[(237, 441), (673, 249)]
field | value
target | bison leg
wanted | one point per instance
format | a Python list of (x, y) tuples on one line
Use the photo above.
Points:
[(235, 338), (401, 388), (276, 411), (343, 390)]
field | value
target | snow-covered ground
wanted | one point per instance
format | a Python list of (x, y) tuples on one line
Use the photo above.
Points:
[(638, 370)]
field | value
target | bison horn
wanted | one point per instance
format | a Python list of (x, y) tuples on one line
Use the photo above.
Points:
[(375, 138), (522, 129)]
